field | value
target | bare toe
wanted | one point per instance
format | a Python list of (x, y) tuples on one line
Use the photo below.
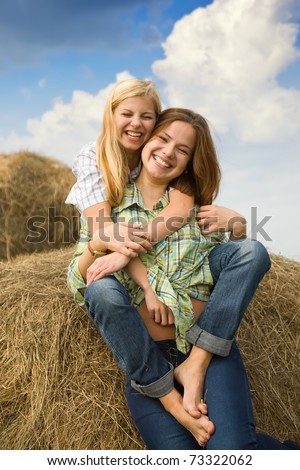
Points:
[(194, 413)]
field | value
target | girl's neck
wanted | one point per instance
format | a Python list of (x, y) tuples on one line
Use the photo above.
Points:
[(133, 159), (151, 189)]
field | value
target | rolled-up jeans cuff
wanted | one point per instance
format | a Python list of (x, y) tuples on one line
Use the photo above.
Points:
[(209, 342), (159, 388)]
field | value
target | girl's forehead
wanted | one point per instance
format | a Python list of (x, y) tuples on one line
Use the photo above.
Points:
[(144, 102), (180, 131), (175, 126)]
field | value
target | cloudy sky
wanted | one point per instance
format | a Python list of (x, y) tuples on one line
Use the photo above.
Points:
[(237, 62)]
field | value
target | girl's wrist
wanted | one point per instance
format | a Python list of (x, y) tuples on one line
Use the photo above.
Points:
[(147, 288), (97, 243), (94, 251)]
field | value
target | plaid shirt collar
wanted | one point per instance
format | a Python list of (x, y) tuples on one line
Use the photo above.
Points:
[(132, 196)]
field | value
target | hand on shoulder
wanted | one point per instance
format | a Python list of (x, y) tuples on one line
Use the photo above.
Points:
[(214, 218)]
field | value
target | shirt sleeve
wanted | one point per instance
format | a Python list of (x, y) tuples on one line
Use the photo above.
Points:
[(89, 188)]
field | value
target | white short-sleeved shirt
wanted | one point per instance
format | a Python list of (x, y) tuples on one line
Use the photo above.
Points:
[(89, 188)]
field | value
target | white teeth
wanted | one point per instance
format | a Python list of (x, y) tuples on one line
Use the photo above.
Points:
[(134, 134), (162, 162)]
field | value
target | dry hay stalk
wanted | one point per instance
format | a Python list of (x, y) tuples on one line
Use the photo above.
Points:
[(61, 388), (33, 215), (269, 339)]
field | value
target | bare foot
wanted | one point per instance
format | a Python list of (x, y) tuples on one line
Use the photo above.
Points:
[(201, 428), (191, 374)]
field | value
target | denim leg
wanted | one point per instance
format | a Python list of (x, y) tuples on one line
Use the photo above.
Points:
[(267, 442), (229, 402), (122, 328), (228, 398), (237, 269), (158, 428)]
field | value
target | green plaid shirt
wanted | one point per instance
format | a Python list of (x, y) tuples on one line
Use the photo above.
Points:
[(177, 266)]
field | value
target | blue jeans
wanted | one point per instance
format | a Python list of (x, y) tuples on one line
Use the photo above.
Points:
[(237, 268), (229, 407)]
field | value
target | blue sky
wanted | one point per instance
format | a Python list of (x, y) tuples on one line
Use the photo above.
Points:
[(237, 62), (50, 48)]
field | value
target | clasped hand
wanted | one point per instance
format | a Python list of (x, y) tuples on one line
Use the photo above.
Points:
[(125, 238)]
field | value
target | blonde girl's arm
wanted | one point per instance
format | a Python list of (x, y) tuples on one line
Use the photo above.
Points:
[(172, 217), (97, 217)]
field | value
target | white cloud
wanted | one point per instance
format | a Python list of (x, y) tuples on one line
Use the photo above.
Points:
[(265, 178), (224, 61)]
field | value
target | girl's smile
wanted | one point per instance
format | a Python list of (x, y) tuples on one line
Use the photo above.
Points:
[(167, 153)]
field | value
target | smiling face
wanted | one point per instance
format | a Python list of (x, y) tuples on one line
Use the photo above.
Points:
[(134, 119), (167, 153)]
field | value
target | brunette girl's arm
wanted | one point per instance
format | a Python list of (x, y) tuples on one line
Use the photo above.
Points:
[(137, 271)]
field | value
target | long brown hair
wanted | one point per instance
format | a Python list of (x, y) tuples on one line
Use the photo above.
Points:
[(203, 174), (111, 156)]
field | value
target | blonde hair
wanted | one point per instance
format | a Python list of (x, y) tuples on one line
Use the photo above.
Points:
[(203, 174), (111, 156)]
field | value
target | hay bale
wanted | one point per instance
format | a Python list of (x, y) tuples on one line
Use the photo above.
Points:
[(61, 388), (33, 215), (269, 339)]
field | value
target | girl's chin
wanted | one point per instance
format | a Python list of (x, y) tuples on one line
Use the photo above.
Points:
[(128, 142), (131, 146), (161, 177)]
